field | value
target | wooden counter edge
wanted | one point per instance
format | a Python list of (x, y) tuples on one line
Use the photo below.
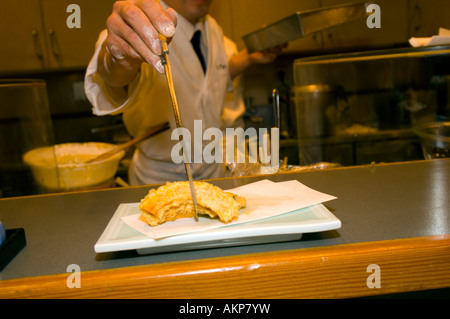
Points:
[(343, 271)]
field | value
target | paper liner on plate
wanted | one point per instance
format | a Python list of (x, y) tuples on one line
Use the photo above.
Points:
[(264, 199)]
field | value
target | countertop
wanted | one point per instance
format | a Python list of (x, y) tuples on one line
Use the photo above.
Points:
[(385, 209)]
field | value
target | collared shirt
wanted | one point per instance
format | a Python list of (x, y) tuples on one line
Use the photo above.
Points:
[(207, 97)]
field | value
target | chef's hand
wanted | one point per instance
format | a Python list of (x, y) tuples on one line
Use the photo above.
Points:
[(133, 28), (266, 56), (242, 60)]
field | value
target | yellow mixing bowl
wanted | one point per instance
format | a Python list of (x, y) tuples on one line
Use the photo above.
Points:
[(63, 166)]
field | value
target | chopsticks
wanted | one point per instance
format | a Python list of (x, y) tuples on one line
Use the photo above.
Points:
[(151, 132)]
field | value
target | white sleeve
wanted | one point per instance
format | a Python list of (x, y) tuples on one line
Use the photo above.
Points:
[(230, 50), (234, 101), (95, 87)]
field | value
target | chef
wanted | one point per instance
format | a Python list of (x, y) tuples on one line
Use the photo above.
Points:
[(125, 76)]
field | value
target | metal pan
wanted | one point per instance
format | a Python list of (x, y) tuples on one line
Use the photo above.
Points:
[(303, 23)]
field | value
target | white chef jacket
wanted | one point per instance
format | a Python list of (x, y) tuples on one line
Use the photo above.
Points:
[(209, 97)]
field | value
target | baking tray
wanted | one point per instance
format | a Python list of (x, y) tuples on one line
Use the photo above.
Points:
[(303, 23)]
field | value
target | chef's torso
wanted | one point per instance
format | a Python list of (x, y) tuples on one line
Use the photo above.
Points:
[(200, 96)]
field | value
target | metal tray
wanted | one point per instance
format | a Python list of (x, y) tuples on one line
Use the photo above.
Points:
[(303, 23)]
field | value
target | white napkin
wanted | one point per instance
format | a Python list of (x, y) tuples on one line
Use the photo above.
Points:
[(264, 199), (443, 38)]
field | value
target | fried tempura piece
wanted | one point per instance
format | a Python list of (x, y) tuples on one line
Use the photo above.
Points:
[(173, 201)]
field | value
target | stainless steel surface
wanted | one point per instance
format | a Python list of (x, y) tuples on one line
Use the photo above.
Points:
[(176, 112), (301, 24), (359, 107)]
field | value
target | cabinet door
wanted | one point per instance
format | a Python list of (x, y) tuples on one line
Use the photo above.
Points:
[(21, 36), (239, 18), (356, 34), (427, 16), (73, 47)]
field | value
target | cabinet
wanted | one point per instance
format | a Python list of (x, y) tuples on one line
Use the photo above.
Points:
[(427, 16), (400, 20), (356, 34), (35, 35), (22, 45)]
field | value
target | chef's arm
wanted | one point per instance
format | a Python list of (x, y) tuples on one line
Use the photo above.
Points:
[(239, 62)]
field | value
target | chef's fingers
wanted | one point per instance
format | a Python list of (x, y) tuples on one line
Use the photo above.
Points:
[(164, 21), (131, 50), (124, 43), (148, 18), (278, 49), (173, 15), (268, 55), (262, 57), (123, 54), (131, 22)]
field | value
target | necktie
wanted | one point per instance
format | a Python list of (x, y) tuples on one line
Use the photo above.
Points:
[(196, 44)]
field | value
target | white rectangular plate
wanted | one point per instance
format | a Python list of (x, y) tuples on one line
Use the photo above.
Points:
[(118, 236)]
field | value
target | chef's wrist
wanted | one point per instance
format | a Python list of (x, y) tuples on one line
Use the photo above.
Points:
[(116, 73), (239, 62)]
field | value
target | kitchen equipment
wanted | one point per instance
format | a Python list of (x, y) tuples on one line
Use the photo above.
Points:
[(25, 124), (63, 167), (435, 139), (361, 107), (176, 112), (151, 132), (302, 24)]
